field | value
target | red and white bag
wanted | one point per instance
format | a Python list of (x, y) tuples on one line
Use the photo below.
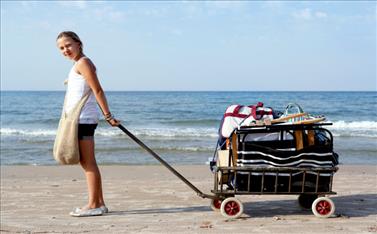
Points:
[(237, 115)]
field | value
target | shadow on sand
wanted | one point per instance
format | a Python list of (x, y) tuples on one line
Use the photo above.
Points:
[(358, 205)]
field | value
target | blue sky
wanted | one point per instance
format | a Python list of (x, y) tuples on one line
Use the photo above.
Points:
[(251, 46)]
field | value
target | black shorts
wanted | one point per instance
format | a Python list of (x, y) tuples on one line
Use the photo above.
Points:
[(86, 131)]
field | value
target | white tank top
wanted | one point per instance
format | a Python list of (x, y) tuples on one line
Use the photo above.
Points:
[(77, 88)]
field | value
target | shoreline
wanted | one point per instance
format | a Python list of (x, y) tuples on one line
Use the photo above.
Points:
[(39, 198), (54, 164)]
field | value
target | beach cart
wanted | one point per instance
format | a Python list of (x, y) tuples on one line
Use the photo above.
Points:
[(296, 159), (287, 158)]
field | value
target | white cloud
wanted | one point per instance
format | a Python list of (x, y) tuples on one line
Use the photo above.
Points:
[(273, 4), (305, 14), (25, 3), (320, 14), (95, 10), (108, 13), (225, 4), (213, 8), (193, 9), (308, 14), (116, 15), (156, 12), (76, 4)]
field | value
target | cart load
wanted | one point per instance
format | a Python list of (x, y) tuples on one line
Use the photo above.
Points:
[(262, 151)]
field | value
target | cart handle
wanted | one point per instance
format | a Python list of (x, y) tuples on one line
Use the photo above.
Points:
[(163, 162)]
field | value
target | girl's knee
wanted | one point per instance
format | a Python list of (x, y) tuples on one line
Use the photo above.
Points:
[(87, 165)]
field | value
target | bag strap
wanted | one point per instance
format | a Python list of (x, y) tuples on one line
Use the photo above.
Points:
[(237, 109), (254, 110), (77, 109), (65, 101), (253, 113)]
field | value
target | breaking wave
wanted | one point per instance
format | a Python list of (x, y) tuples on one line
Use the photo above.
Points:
[(339, 128)]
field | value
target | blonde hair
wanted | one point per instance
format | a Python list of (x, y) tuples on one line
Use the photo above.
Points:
[(73, 36)]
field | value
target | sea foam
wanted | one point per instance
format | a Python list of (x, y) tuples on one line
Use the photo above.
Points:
[(339, 128)]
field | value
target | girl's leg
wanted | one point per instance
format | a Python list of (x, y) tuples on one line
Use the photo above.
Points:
[(92, 173)]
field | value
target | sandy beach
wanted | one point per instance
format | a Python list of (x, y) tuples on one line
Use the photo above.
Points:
[(149, 199)]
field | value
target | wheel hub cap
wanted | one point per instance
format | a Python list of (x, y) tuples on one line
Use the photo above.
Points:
[(323, 207), (232, 208)]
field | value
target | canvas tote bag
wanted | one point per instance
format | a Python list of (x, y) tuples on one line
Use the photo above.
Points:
[(66, 146)]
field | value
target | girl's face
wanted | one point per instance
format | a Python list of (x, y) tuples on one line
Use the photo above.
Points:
[(69, 48)]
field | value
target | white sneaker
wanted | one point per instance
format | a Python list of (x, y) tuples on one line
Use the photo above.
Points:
[(104, 209), (77, 212)]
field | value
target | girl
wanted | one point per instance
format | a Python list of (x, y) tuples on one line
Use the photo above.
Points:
[(83, 78)]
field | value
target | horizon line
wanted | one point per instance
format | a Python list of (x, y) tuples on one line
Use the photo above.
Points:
[(59, 90)]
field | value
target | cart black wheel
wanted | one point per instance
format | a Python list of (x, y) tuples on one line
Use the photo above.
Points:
[(216, 204), (231, 208), (323, 207), (306, 200)]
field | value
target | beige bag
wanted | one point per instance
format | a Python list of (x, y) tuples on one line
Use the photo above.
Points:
[(66, 146)]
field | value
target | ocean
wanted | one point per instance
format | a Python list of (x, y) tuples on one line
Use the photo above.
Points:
[(182, 127)]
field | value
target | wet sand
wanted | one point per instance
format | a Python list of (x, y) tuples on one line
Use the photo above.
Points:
[(149, 199)]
